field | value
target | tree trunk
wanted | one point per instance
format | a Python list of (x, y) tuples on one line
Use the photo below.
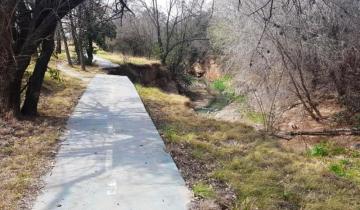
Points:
[(90, 51), (58, 41), (82, 57), (36, 80), (9, 91), (65, 44), (74, 36), (80, 40), (15, 55), (8, 81)]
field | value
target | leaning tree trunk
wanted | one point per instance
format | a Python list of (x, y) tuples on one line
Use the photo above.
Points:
[(58, 41), (36, 80), (65, 44)]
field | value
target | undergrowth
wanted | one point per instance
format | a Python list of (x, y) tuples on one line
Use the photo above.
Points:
[(212, 154), (226, 96)]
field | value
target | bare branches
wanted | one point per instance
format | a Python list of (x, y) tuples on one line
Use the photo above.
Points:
[(171, 24)]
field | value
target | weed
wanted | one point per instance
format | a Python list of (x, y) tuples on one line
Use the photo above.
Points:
[(319, 150), (223, 86), (203, 190), (219, 85), (348, 169), (345, 162), (337, 169), (54, 74)]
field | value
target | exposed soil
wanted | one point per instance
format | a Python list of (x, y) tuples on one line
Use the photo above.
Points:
[(153, 75)]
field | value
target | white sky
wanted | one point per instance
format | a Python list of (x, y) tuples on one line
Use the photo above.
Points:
[(164, 4)]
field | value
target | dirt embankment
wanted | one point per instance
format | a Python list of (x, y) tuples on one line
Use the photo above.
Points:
[(150, 75)]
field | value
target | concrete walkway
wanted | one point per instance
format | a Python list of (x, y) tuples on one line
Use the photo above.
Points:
[(63, 67), (112, 156), (103, 63)]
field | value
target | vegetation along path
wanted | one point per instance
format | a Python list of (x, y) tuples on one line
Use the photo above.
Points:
[(112, 156)]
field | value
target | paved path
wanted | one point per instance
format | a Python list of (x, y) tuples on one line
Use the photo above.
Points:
[(104, 63), (112, 156), (63, 67)]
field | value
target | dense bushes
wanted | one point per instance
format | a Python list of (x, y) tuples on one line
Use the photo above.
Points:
[(281, 52)]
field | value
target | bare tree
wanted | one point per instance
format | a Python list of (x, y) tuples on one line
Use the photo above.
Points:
[(310, 46), (178, 25), (25, 24)]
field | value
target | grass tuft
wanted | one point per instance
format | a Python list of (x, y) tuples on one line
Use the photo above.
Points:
[(203, 190), (337, 169), (319, 150)]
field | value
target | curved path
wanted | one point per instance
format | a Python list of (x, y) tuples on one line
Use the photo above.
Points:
[(104, 63), (112, 156), (64, 68)]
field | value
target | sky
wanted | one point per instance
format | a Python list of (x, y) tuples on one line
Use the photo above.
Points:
[(164, 4)]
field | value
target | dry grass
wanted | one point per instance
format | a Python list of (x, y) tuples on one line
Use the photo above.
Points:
[(27, 146), (248, 170), (119, 58)]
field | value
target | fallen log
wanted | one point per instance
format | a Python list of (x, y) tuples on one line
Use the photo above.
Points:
[(325, 132)]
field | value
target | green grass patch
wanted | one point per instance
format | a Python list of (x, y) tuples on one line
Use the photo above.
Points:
[(223, 86), (347, 167), (328, 149), (337, 169), (319, 150), (228, 95), (203, 190)]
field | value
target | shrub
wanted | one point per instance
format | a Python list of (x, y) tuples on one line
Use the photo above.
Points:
[(54, 74), (337, 169), (319, 150), (222, 84), (203, 190)]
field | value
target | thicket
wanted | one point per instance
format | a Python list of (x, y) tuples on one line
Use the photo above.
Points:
[(175, 33), (287, 52)]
